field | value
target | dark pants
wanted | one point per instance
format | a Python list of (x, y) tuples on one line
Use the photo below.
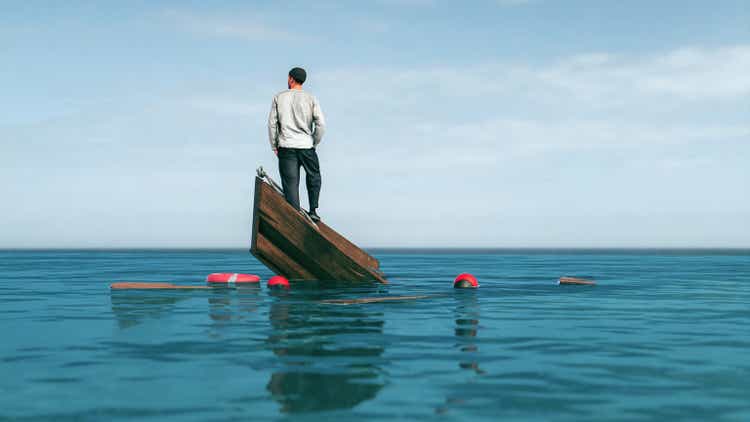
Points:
[(290, 160)]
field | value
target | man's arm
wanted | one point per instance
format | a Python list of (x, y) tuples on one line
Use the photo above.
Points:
[(320, 123), (273, 126)]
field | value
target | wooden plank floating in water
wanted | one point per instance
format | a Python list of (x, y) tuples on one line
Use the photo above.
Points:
[(576, 280), (371, 300), (291, 245), (130, 285)]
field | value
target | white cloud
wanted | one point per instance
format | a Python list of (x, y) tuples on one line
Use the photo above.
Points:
[(412, 3), (697, 73), (528, 136), (408, 3), (226, 105), (689, 73), (588, 131), (589, 102), (244, 28), (512, 2), (600, 79)]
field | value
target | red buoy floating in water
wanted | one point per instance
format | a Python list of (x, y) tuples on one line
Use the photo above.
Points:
[(232, 278), (278, 282), (465, 281)]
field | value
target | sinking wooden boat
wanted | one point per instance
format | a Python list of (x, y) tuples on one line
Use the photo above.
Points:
[(289, 243)]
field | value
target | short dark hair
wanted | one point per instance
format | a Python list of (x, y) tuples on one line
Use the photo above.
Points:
[(298, 74)]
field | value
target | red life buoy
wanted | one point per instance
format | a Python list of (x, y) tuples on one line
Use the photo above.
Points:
[(232, 278)]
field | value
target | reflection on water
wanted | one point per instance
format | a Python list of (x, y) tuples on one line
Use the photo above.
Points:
[(662, 337), (233, 304), (327, 355), (467, 327), (130, 308), (466, 314)]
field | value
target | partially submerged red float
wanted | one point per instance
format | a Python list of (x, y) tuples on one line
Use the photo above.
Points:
[(465, 281), (279, 282)]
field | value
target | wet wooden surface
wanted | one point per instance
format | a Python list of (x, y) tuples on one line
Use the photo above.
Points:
[(290, 245)]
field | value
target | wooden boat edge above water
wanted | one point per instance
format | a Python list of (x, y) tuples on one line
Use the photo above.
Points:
[(290, 244)]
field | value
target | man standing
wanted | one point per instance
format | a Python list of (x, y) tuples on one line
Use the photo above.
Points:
[(295, 127)]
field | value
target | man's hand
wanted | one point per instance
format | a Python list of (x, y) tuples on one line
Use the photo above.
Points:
[(276, 152)]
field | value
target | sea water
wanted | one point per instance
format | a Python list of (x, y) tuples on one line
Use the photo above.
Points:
[(664, 335)]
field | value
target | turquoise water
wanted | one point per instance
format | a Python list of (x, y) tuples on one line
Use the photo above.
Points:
[(664, 336)]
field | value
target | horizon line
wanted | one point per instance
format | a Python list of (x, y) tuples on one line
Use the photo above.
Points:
[(397, 248)]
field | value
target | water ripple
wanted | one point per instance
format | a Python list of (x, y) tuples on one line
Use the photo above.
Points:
[(662, 336)]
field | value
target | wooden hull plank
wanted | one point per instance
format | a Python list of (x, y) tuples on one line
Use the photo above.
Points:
[(275, 255), (358, 255)]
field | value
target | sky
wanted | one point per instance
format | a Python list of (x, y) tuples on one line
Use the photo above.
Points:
[(496, 123)]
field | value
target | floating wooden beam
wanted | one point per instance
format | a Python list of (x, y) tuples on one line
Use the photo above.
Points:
[(575, 280), (154, 286)]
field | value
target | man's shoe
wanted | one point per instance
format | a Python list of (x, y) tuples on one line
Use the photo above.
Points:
[(314, 216)]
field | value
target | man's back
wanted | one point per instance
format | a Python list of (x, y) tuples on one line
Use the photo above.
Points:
[(296, 120), (295, 128)]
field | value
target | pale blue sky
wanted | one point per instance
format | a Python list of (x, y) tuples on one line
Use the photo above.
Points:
[(504, 123)]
